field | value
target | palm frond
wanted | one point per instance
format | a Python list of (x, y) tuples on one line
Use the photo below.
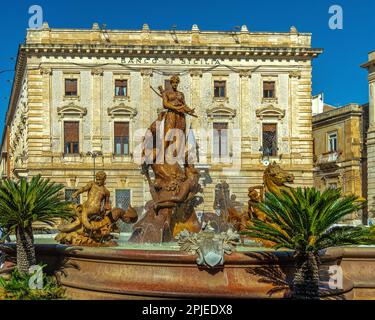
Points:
[(301, 219), (24, 202)]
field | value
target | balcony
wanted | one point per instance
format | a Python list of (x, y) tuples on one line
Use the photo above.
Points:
[(328, 160)]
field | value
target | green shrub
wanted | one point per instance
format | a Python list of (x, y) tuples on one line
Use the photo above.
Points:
[(18, 288)]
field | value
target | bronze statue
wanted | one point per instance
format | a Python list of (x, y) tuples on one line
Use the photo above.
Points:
[(255, 197), (174, 188), (174, 120), (95, 220), (275, 179)]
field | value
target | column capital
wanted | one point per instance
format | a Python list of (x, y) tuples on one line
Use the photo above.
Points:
[(245, 74), (97, 72), (196, 73), (146, 72), (44, 71), (295, 74)]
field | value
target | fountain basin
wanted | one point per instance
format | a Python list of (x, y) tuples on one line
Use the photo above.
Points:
[(117, 273)]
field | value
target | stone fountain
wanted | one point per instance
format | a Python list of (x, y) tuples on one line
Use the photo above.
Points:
[(170, 253)]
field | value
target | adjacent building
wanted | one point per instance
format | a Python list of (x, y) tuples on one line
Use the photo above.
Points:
[(370, 66), (82, 99), (340, 159)]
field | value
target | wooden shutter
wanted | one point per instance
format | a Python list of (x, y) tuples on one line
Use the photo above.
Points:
[(121, 83), (121, 129), (220, 126), (219, 84), (71, 85), (269, 85), (269, 127), (71, 131)]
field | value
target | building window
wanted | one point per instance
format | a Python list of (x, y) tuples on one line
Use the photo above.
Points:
[(71, 87), (332, 142), (123, 199), (219, 89), (269, 89), (71, 137), (121, 88), (121, 138), (270, 140), (68, 196), (220, 140)]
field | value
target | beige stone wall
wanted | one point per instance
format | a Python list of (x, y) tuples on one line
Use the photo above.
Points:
[(243, 63), (345, 170), (371, 134)]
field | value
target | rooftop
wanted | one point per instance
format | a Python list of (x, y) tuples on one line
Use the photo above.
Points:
[(240, 37), (351, 108), (371, 60)]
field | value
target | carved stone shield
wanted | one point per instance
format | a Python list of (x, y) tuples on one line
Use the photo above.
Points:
[(212, 252)]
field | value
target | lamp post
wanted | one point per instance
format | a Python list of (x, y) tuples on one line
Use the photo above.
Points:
[(265, 155), (94, 155)]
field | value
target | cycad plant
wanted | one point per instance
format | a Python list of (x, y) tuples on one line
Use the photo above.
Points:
[(24, 202), (18, 288), (303, 221)]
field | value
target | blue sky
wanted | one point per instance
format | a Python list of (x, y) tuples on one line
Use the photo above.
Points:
[(337, 72)]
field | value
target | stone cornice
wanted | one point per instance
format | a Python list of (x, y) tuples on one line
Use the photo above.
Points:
[(163, 50), (16, 89), (337, 115), (368, 64)]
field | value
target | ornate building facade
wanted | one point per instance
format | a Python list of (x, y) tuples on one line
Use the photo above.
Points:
[(82, 99), (370, 66)]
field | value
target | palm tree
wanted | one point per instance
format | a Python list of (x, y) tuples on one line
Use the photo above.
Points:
[(303, 221), (21, 204)]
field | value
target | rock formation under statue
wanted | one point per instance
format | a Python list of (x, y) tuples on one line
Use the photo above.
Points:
[(94, 220), (175, 185)]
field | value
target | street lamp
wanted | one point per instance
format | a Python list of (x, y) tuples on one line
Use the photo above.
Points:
[(265, 155), (94, 154)]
